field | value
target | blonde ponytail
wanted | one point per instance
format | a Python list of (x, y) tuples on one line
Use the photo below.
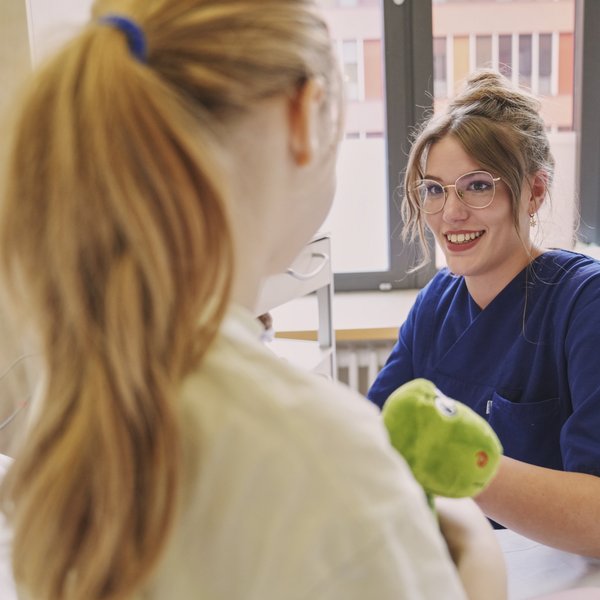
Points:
[(128, 276), (114, 239)]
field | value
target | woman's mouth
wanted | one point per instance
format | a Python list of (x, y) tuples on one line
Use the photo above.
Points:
[(463, 238)]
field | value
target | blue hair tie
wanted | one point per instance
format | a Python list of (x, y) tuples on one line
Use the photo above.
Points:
[(136, 39)]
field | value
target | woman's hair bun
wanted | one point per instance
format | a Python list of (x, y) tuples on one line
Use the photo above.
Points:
[(489, 93)]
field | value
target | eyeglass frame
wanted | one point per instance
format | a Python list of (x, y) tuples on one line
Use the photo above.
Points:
[(453, 185)]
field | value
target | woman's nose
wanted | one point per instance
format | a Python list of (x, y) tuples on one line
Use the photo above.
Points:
[(454, 209)]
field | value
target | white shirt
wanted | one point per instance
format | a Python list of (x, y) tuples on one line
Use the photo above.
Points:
[(292, 491)]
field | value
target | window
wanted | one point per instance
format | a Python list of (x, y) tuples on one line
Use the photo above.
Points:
[(367, 252), (587, 124), (413, 55), (505, 54), (545, 64), (483, 51), (440, 77), (350, 69), (525, 60)]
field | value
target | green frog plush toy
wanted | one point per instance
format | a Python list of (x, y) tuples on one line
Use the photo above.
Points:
[(451, 450)]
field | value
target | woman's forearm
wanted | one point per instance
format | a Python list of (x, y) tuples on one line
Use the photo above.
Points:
[(557, 508)]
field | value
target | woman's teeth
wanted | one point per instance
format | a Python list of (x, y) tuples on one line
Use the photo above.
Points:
[(463, 238)]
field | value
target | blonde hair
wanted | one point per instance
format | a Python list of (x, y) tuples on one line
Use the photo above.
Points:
[(115, 241), (499, 126)]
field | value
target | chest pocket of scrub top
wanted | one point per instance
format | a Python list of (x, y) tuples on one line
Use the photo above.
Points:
[(529, 431)]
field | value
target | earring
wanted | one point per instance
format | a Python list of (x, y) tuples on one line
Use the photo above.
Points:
[(532, 220)]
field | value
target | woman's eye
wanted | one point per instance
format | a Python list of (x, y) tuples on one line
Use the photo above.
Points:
[(479, 186), (434, 189)]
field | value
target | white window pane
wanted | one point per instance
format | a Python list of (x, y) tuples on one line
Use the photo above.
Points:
[(359, 221)]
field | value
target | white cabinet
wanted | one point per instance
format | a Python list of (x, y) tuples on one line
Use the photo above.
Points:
[(310, 272)]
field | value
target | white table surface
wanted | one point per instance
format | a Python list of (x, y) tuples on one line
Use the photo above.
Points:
[(534, 570)]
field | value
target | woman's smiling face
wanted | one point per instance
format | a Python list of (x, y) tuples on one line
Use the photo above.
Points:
[(480, 244)]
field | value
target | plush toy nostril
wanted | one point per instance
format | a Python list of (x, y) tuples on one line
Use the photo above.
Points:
[(482, 458)]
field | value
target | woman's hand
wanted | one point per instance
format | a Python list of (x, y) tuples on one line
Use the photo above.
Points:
[(556, 508), (474, 548)]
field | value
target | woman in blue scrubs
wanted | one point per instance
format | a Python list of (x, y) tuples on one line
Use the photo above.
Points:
[(509, 328)]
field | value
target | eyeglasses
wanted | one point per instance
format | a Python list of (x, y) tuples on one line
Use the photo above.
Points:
[(475, 190)]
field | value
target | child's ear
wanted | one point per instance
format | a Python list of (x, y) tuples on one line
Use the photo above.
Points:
[(304, 110)]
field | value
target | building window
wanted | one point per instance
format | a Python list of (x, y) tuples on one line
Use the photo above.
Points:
[(545, 64), (505, 54), (350, 66), (525, 60), (483, 51), (440, 68)]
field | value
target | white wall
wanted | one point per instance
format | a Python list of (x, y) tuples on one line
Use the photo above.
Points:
[(14, 49), (53, 21)]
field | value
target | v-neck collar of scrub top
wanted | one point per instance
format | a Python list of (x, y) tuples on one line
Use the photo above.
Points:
[(496, 325)]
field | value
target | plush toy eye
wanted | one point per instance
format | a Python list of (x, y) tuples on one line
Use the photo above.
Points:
[(481, 458), (446, 405)]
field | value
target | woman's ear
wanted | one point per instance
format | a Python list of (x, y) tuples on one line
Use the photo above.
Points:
[(304, 112), (539, 189)]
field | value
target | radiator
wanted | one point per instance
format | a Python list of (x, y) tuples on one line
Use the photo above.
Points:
[(359, 362)]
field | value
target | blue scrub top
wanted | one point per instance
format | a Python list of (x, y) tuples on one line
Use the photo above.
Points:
[(528, 362)]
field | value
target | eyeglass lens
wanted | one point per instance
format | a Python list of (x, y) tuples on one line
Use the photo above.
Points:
[(474, 189)]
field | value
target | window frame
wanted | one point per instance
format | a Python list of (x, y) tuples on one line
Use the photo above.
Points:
[(585, 107), (408, 77)]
